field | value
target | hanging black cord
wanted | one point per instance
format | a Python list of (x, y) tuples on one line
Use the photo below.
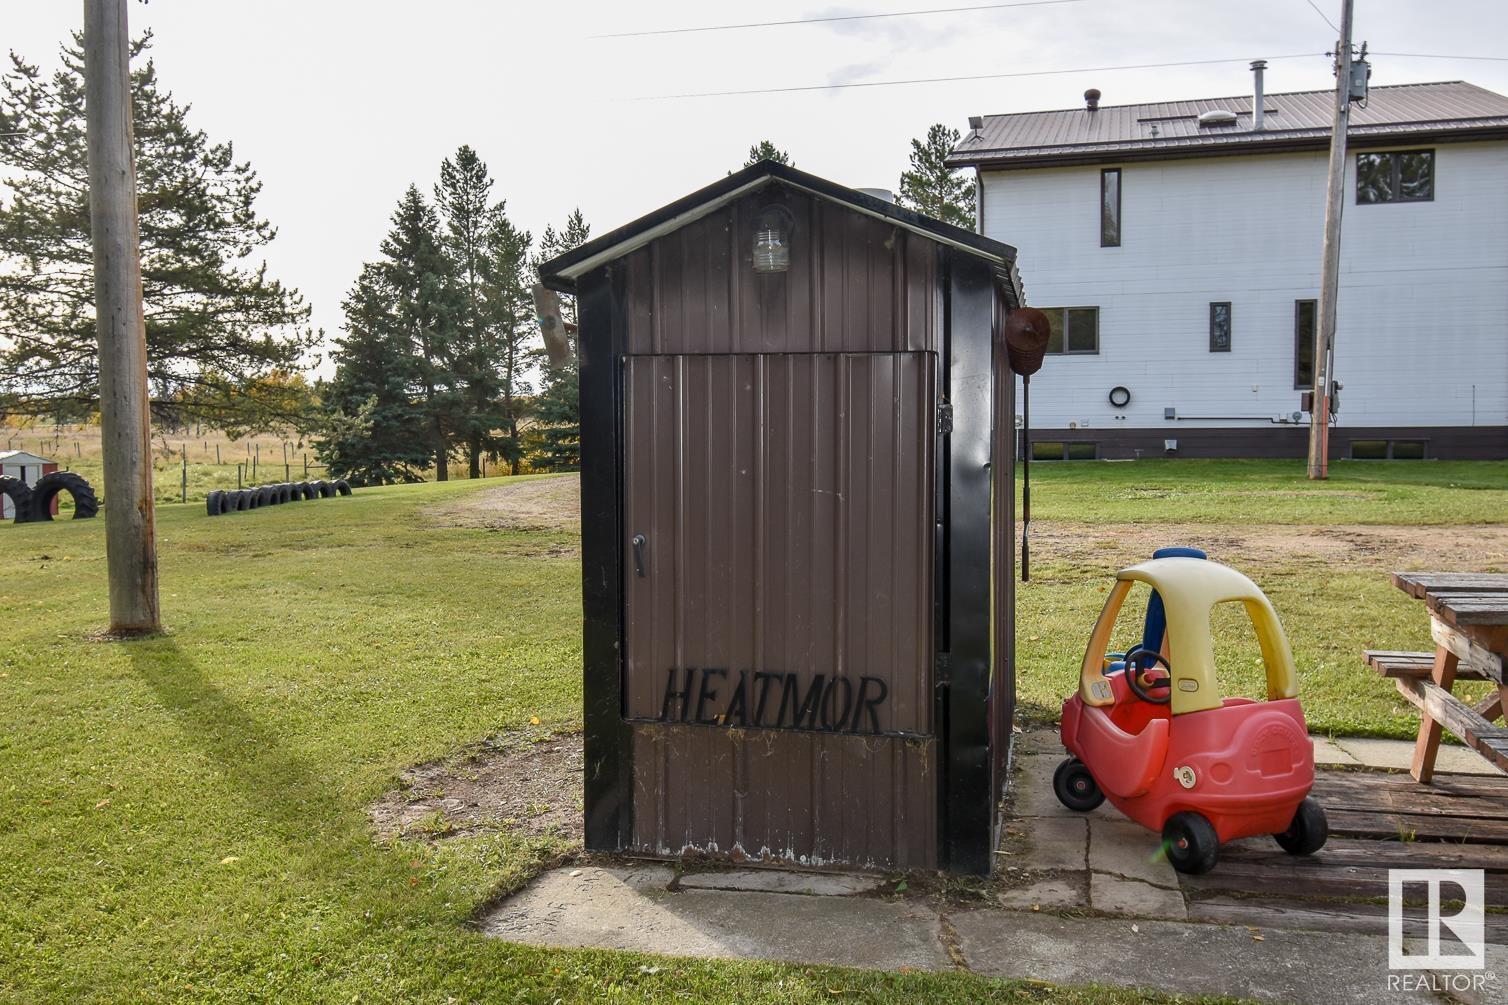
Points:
[(1026, 479)]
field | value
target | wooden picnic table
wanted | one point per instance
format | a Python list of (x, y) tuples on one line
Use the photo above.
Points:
[(1469, 624)]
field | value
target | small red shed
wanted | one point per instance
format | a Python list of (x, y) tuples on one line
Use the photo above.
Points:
[(26, 468)]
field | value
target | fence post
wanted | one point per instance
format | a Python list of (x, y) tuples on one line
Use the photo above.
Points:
[(238, 475), (217, 454), (306, 467), (183, 494)]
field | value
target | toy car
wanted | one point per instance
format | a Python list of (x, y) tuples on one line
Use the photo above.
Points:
[(1149, 730)]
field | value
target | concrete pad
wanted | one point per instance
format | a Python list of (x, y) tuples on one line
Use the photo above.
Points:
[(1459, 986), (1338, 969), (1032, 789), (1326, 752), (1123, 848), (1399, 755), (1133, 898), (1047, 894), (630, 909), (1054, 843), (818, 884)]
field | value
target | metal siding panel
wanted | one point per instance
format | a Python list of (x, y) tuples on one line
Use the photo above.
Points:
[(733, 457)]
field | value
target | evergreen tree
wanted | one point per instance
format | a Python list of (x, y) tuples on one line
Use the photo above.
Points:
[(470, 221), (931, 187), (510, 311), (425, 308), (371, 412), (764, 150), (222, 336), (555, 441)]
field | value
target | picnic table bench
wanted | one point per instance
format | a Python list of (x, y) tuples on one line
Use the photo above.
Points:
[(1469, 625)]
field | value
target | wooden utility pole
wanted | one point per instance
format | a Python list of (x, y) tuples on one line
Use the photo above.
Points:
[(1324, 335), (125, 421)]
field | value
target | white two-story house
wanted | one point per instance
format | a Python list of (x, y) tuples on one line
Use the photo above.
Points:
[(1176, 246)]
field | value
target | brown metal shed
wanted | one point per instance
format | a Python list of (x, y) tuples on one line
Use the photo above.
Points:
[(797, 446)]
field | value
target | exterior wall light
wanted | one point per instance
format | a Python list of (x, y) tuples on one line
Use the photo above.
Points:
[(772, 240)]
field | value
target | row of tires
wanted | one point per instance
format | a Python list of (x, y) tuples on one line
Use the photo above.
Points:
[(218, 502), (33, 503)]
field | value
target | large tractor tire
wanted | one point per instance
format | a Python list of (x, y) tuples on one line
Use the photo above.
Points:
[(305, 490), (326, 490), (214, 503), (243, 500), (343, 487), (20, 497), (85, 505)]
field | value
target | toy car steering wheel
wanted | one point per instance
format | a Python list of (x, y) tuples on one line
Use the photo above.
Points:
[(1133, 670)]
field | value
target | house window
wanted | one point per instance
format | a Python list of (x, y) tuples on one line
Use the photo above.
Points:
[(1305, 315), (1110, 208), (1395, 176), (1058, 450), (1220, 326), (1075, 330), (1387, 450)]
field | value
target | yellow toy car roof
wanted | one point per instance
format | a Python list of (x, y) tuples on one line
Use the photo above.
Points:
[(1190, 587)]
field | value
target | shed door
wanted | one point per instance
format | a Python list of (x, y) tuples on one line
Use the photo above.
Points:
[(778, 543)]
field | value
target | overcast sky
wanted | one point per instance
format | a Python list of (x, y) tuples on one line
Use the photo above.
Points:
[(340, 105)]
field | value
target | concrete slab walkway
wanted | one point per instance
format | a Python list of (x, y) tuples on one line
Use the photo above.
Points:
[(645, 908), (1079, 899)]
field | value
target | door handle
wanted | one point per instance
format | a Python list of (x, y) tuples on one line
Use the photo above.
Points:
[(639, 543)]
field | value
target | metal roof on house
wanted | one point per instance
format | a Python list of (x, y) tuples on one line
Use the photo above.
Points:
[(1294, 120)]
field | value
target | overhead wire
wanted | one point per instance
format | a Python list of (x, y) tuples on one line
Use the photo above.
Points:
[(964, 77), (1323, 16), (832, 18)]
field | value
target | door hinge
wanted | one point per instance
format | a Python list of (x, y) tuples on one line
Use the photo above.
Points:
[(944, 418)]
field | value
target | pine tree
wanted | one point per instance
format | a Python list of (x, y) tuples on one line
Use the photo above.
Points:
[(510, 312), (555, 441), (470, 220), (426, 311), (371, 412), (222, 336), (764, 150), (931, 187)]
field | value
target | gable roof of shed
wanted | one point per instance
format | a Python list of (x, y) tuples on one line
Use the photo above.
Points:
[(21, 457), (560, 273), (1450, 109)]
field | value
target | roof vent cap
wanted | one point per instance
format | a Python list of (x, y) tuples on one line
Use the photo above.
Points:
[(1092, 98), (1217, 117)]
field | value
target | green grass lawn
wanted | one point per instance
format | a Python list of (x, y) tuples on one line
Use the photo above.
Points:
[(1335, 600), (183, 818), (1242, 491)]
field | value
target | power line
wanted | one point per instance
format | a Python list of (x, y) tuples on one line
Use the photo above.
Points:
[(826, 20), (974, 76), (1323, 16), (1440, 55)]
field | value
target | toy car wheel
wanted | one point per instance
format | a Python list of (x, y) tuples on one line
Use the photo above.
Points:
[(1307, 834), (1191, 843), (1075, 787)]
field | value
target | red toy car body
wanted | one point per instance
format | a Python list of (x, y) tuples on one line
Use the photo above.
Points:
[(1202, 769)]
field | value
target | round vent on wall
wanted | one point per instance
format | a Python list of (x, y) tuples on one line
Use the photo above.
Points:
[(1120, 397)]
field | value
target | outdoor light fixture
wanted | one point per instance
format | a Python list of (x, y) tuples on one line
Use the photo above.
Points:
[(772, 240)]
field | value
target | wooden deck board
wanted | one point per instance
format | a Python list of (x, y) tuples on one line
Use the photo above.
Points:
[(1378, 821)]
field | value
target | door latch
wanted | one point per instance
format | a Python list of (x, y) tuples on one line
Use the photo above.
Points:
[(638, 543), (944, 418)]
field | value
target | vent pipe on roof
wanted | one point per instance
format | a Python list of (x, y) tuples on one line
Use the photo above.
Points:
[(1092, 98), (1257, 101)]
